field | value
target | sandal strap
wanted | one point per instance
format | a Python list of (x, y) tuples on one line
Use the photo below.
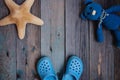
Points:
[(72, 75), (48, 75)]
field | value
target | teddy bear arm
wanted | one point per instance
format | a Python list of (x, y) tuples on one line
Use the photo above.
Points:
[(113, 9), (82, 16)]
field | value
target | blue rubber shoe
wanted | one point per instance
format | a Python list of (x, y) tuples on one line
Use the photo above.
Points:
[(74, 69), (45, 69)]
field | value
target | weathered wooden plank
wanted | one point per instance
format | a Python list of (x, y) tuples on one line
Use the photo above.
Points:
[(7, 48), (33, 45), (52, 33), (95, 56), (101, 55), (101, 61), (77, 35), (108, 72), (117, 64), (117, 55), (21, 59), (21, 54)]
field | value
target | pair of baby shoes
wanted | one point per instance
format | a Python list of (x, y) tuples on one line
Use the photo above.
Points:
[(73, 71)]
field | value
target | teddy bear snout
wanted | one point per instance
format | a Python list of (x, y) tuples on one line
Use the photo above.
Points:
[(94, 12)]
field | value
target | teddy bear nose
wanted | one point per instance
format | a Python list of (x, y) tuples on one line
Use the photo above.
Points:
[(94, 12)]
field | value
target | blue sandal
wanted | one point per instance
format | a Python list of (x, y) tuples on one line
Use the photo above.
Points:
[(45, 69), (74, 69)]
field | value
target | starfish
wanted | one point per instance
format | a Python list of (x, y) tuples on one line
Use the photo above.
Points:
[(20, 15)]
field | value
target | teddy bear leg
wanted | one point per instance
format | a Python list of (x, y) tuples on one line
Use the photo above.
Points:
[(117, 36)]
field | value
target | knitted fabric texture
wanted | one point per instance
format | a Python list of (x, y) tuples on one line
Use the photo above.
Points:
[(107, 18)]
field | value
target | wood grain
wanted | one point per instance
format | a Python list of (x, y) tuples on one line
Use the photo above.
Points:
[(63, 34), (116, 56), (101, 55), (33, 44), (52, 32), (77, 35), (7, 48), (21, 54)]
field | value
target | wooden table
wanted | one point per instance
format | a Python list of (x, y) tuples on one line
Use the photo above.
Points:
[(63, 34)]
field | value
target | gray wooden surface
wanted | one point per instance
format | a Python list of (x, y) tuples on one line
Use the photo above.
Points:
[(63, 34)]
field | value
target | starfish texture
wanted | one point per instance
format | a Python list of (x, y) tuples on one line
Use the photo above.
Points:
[(20, 15)]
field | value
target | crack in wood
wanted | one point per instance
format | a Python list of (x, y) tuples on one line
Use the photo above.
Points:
[(33, 49), (7, 54), (23, 49), (51, 49)]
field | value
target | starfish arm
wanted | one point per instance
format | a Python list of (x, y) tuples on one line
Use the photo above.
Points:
[(11, 4), (6, 21), (21, 26), (28, 4), (35, 20)]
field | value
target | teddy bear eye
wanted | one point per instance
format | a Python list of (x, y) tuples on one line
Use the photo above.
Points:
[(90, 8), (88, 13)]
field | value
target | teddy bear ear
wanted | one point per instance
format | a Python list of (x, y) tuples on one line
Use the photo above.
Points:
[(82, 16), (88, 1)]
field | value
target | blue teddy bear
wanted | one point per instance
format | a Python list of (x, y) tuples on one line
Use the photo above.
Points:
[(94, 11)]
